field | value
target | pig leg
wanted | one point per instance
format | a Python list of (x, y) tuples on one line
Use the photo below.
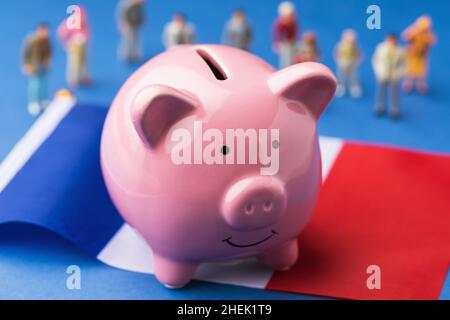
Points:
[(282, 257), (173, 274)]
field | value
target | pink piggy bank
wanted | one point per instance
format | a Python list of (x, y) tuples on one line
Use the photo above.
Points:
[(211, 154)]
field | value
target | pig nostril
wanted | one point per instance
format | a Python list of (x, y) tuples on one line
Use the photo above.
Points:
[(249, 209), (268, 205)]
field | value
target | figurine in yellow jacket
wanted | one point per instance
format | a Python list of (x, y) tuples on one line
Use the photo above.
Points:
[(420, 39)]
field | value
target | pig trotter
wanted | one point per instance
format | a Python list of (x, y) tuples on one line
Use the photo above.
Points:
[(173, 274), (281, 258)]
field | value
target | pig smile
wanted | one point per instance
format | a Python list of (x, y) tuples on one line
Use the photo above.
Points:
[(228, 240)]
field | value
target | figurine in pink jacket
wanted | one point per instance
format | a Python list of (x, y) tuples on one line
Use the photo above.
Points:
[(211, 154), (74, 35)]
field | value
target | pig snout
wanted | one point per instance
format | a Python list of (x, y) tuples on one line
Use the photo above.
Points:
[(254, 203)]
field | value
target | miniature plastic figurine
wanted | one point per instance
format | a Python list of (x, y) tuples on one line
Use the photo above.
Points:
[(37, 56), (285, 34), (131, 18), (389, 66), (75, 41), (178, 31), (308, 50), (195, 185), (420, 39), (238, 32), (348, 55)]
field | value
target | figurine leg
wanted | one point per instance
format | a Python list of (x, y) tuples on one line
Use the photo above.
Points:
[(381, 98), (340, 90), (408, 85), (281, 258), (422, 86), (355, 86), (395, 108), (173, 274), (342, 82)]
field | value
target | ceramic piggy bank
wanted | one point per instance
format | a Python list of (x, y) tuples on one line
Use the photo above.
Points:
[(211, 154)]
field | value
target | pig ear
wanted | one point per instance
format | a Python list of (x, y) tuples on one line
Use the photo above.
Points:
[(310, 83), (156, 109)]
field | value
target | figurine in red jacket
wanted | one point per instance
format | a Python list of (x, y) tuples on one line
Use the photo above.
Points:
[(285, 34)]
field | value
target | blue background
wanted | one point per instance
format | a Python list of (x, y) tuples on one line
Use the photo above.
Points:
[(33, 262)]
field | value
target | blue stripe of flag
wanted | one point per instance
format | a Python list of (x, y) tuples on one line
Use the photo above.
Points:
[(61, 187)]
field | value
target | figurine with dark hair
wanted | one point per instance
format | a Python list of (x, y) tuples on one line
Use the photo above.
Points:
[(238, 32), (178, 31), (36, 61), (131, 18), (285, 33), (389, 65)]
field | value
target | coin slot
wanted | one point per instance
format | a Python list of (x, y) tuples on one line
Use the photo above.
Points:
[(213, 65)]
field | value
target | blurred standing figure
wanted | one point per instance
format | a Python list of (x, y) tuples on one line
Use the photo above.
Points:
[(131, 18), (420, 39), (389, 66), (37, 55), (308, 50), (178, 31), (284, 34), (238, 32), (348, 55), (75, 41)]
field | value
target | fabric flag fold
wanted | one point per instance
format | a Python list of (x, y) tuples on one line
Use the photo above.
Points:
[(380, 206)]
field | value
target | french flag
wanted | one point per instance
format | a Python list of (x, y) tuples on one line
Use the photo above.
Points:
[(381, 210)]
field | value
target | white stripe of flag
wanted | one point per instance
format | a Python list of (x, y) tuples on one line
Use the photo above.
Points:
[(128, 251)]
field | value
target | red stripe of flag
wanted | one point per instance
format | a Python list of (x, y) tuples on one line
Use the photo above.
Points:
[(379, 206)]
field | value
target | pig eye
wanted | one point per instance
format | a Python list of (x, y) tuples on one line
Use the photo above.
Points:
[(225, 150)]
